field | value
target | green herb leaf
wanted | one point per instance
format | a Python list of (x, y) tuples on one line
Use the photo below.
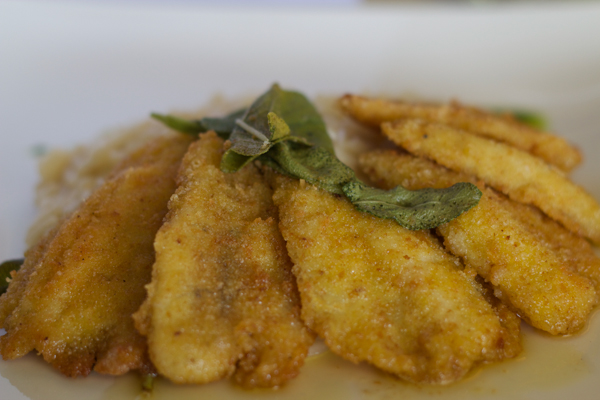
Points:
[(5, 269), (189, 127), (277, 126), (533, 119), (284, 131), (279, 132), (414, 209), (253, 136), (222, 126), (232, 162), (303, 118), (315, 165), (148, 382)]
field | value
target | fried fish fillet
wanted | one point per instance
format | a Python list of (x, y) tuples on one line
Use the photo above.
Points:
[(503, 242), (223, 298), (73, 299), (518, 174), (574, 250), (551, 148), (377, 292)]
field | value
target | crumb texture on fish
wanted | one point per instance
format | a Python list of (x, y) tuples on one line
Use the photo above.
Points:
[(377, 292), (69, 176), (511, 245), (551, 148), (222, 300), (518, 174), (73, 300)]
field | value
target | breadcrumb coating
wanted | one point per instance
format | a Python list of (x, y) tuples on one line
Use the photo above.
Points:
[(518, 174), (551, 148), (377, 292), (223, 300), (505, 243), (80, 285)]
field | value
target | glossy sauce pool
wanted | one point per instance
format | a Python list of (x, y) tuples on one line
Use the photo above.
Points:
[(548, 368)]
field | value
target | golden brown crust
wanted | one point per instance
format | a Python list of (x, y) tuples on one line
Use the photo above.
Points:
[(551, 148), (508, 319), (76, 307), (503, 242), (376, 292), (574, 252), (222, 299), (20, 279), (518, 174)]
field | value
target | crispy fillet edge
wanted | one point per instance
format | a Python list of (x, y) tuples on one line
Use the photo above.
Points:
[(551, 148), (264, 349), (350, 335), (519, 175), (117, 348), (509, 244), (575, 252), (20, 279)]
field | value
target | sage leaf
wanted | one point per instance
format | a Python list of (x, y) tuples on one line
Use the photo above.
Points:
[(5, 269), (314, 164), (249, 140), (533, 119), (277, 126), (222, 126), (414, 209), (232, 162), (303, 119), (280, 131), (294, 108), (283, 130), (420, 209), (148, 381)]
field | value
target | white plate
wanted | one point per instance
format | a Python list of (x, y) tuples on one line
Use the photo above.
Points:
[(69, 71)]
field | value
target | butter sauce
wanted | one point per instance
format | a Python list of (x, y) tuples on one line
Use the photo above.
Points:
[(549, 368)]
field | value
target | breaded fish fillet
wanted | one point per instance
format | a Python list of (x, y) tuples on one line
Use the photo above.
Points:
[(574, 251), (73, 299), (223, 298), (500, 241), (519, 175), (377, 292), (551, 148)]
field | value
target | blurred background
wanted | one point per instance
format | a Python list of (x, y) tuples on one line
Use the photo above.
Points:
[(72, 69), (312, 2)]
